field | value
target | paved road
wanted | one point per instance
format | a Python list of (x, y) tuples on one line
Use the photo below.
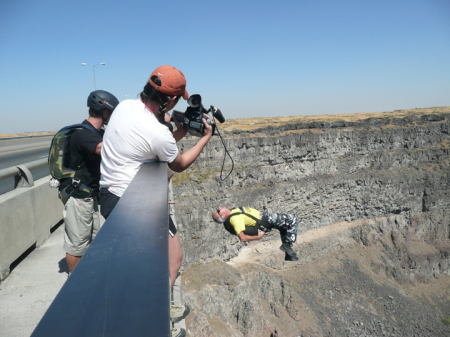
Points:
[(17, 154), (17, 157)]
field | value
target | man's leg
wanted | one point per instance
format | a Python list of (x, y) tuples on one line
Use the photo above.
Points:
[(72, 261), (175, 257), (78, 219), (108, 201), (177, 310), (287, 224)]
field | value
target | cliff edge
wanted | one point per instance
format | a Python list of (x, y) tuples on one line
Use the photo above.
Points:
[(372, 194)]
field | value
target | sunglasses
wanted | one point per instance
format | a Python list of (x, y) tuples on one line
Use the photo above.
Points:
[(218, 211)]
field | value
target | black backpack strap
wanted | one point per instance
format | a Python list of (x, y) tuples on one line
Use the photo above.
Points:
[(230, 228), (77, 126), (244, 213), (88, 126)]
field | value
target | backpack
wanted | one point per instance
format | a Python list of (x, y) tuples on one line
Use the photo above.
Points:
[(59, 158)]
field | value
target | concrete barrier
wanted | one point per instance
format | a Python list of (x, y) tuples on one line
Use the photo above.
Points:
[(26, 217), (121, 285)]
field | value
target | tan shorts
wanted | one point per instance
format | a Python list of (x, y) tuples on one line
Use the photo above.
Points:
[(82, 223)]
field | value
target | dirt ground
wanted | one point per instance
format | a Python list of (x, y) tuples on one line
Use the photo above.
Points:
[(339, 287)]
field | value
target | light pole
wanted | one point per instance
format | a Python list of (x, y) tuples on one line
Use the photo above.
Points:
[(93, 70)]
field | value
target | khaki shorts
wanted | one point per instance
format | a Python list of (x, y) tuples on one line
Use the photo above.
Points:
[(82, 223)]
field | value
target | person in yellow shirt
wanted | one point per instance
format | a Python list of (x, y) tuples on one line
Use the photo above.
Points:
[(250, 224)]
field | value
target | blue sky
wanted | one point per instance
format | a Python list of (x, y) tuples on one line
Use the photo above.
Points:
[(248, 58)]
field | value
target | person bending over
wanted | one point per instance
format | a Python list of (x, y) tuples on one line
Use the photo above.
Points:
[(250, 224), (138, 133)]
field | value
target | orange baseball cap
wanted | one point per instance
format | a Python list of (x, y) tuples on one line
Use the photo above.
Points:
[(173, 81)]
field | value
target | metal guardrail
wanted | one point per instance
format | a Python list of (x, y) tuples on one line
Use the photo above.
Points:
[(121, 285), (22, 174)]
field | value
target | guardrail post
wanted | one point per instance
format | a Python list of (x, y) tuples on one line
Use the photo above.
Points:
[(24, 178)]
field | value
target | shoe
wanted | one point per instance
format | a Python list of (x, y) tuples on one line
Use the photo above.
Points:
[(290, 254), (287, 257), (178, 312), (178, 332)]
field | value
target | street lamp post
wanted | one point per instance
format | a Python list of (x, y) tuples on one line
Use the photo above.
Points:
[(93, 70)]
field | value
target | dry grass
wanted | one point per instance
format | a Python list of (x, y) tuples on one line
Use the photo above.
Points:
[(250, 124), (27, 134)]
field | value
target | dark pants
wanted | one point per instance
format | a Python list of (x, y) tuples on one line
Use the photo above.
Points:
[(109, 201), (287, 224)]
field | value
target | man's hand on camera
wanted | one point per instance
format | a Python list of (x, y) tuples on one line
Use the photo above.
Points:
[(180, 132), (177, 123), (208, 128), (183, 161)]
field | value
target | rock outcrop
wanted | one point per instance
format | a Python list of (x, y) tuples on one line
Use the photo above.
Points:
[(373, 200)]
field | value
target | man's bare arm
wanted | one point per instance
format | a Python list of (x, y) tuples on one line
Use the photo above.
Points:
[(98, 149), (183, 161)]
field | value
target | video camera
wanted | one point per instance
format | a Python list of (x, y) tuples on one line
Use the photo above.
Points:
[(192, 119)]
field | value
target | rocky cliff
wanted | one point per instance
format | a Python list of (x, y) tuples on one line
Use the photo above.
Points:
[(372, 195)]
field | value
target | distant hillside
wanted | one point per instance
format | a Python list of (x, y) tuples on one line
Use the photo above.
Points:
[(259, 126), (253, 126), (27, 134)]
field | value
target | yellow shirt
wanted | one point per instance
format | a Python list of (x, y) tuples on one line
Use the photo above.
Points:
[(240, 221)]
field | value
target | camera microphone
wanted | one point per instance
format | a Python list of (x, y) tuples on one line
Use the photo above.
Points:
[(217, 114), (192, 121)]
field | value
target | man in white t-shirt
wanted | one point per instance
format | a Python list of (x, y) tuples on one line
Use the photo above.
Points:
[(137, 133), (134, 137)]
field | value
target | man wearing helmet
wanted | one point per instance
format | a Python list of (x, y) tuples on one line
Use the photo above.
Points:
[(81, 214)]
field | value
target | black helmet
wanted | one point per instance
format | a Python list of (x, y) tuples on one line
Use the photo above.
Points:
[(100, 99)]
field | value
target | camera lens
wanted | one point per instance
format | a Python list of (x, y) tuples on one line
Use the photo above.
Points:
[(195, 101)]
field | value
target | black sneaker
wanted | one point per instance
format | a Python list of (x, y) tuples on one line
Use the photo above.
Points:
[(288, 257), (290, 254)]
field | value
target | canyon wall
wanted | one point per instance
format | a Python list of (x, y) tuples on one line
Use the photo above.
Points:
[(382, 184)]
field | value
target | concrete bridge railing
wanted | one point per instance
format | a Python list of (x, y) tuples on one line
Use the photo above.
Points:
[(28, 213), (121, 285), (27, 216)]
